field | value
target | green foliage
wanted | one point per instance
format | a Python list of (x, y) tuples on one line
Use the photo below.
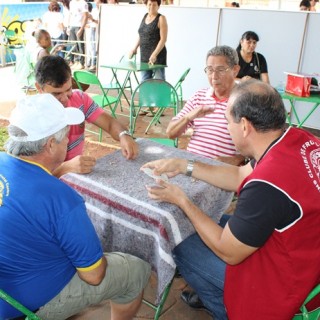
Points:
[(3, 137)]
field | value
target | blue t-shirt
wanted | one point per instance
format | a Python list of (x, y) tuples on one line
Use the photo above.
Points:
[(45, 234)]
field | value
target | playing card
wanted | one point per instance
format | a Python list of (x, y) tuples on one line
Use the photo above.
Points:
[(149, 172)]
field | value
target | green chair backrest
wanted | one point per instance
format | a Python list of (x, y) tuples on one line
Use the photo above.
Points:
[(155, 93), (309, 314), (182, 78), (178, 86), (101, 98), (86, 77), (17, 305)]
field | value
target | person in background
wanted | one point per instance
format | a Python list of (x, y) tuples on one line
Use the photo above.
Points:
[(153, 32), (41, 47), (91, 36), (252, 64), (49, 243), (53, 75), (52, 21), (235, 4), (305, 5), (66, 29), (251, 268), (78, 17), (204, 111), (313, 4)]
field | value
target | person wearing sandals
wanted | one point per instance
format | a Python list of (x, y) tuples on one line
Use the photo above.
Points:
[(252, 64)]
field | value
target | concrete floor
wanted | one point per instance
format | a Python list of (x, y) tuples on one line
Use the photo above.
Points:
[(174, 308)]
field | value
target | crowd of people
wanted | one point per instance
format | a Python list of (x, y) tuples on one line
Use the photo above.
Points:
[(247, 266)]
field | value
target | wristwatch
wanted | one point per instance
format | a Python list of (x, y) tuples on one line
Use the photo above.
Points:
[(124, 133), (189, 168)]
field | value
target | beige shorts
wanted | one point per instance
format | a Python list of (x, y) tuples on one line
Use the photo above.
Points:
[(125, 279)]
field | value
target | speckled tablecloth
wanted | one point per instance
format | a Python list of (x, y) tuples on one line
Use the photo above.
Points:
[(127, 220)]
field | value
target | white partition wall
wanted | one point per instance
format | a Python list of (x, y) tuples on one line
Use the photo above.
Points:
[(186, 38), (288, 40)]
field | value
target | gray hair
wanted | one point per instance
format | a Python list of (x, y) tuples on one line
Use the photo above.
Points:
[(29, 148), (259, 103), (225, 51)]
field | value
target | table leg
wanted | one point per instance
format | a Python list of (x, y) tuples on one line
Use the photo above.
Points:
[(308, 115), (294, 111), (123, 86)]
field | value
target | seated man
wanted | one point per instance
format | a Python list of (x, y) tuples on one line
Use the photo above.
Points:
[(266, 259), (51, 259), (53, 75), (204, 112)]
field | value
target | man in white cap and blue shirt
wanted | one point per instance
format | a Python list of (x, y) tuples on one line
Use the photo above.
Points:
[(51, 259)]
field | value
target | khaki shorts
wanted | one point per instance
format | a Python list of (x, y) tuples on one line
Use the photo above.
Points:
[(126, 277)]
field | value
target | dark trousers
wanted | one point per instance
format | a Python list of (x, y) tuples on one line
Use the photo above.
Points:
[(79, 46)]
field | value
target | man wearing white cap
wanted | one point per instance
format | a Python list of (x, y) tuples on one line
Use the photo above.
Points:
[(51, 259), (53, 75)]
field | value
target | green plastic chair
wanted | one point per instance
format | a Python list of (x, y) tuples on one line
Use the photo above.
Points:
[(17, 305), (153, 93), (158, 308), (178, 87), (306, 314), (102, 99)]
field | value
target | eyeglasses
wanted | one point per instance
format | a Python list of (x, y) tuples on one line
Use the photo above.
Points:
[(221, 71)]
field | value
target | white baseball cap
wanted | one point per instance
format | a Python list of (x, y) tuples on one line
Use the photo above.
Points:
[(41, 116)]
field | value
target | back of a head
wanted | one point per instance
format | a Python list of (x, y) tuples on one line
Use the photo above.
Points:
[(259, 103), (54, 6), (305, 5), (225, 51), (66, 3), (52, 70)]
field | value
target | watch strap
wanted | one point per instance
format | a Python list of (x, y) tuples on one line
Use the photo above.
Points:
[(190, 166), (124, 133)]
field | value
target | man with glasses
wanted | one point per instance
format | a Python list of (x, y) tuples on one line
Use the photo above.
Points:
[(204, 112), (264, 260)]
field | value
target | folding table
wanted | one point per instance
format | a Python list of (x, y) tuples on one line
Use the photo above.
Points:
[(314, 99), (129, 67)]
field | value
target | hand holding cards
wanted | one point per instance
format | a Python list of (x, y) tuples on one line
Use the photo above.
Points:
[(150, 173)]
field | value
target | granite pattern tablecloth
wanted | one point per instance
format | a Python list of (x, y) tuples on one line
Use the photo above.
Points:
[(127, 220)]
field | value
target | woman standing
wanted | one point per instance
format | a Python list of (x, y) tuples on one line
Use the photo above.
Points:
[(252, 64), (152, 38), (53, 22)]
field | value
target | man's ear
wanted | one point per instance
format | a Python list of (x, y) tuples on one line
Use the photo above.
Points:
[(245, 126), (38, 87), (236, 70), (51, 145)]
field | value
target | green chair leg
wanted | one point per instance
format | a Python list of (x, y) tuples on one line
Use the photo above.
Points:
[(30, 315), (158, 308)]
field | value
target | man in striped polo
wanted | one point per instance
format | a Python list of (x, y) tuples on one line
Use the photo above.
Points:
[(204, 111)]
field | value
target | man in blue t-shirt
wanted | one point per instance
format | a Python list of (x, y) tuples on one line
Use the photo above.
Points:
[(47, 241)]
